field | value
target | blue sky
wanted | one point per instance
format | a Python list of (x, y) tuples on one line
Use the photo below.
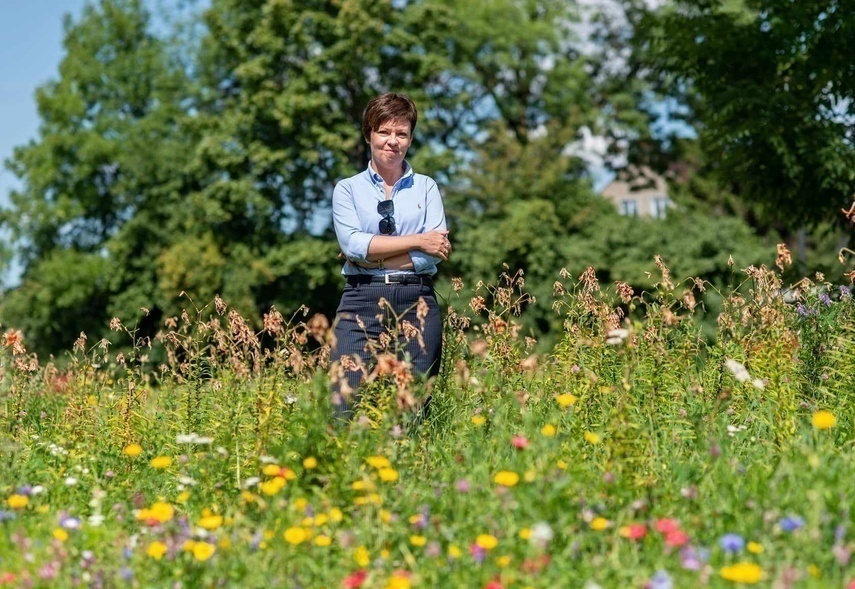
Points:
[(30, 52)]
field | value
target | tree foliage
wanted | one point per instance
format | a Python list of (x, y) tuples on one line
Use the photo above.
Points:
[(769, 85)]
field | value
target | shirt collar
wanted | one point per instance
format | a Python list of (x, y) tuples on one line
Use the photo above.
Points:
[(378, 179)]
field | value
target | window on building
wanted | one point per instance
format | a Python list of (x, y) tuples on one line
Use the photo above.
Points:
[(658, 206), (629, 207)]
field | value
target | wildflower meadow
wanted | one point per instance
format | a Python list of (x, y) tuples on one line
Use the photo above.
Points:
[(636, 451)]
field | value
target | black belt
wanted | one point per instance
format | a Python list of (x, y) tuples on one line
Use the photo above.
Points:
[(391, 279)]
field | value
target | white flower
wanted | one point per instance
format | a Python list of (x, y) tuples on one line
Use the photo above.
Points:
[(758, 382), (615, 337), (185, 480), (268, 460), (37, 490), (732, 430), (204, 440), (222, 451), (96, 519), (251, 482), (738, 370), (70, 481), (541, 534), (290, 399)]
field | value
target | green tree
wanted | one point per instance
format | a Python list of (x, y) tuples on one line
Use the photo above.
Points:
[(768, 85), (101, 178)]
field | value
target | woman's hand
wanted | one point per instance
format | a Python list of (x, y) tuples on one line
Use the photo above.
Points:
[(435, 243)]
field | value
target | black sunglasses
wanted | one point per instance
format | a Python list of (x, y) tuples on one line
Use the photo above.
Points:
[(386, 209)]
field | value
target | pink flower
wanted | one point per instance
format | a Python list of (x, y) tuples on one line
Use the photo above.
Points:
[(520, 442), (636, 531)]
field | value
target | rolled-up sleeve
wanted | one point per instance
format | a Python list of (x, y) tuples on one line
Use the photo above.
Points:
[(434, 221), (351, 239)]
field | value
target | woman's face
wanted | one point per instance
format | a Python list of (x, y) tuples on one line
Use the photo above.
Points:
[(389, 143)]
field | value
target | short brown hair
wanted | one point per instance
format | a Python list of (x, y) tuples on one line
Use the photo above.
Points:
[(388, 107)]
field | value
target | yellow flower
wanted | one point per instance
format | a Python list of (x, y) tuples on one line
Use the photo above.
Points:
[(161, 462), (397, 581), (17, 501), (506, 478), (530, 476), (388, 475), (385, 516), (548, 430), (211, 522), (418, 540), (592, 438), (599, 524), (323, 540), (755, 548), (271, 470), (288, 474), (335, 514), (203, 550), (183, 497), (156, 550), (132, 450), (225, 543), (272, 486), (503, 561), (561, 464), (188, 545), (454, 551), (824, 420), (566, 400), (486, 541), (742, 572), (379, 462), (160, 511), (525, 533), (361, 556), (321, 519), (310, 463), (60, 534), (296, 535), (362, 486), (300, 503), (814, 571), (479, 420)]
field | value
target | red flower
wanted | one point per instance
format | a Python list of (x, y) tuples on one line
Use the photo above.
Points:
[(636, 531), (494, 585), (676, 538), (520, 442), (355, 580), (666, 525)]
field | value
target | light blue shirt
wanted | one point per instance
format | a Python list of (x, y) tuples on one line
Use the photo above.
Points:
[(418, 209)]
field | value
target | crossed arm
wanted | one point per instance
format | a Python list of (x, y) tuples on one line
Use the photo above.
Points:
[(394, 250)]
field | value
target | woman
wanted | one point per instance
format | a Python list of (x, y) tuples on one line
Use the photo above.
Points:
[(390, 225)]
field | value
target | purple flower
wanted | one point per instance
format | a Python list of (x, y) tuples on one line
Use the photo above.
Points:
[(660, 580), (825, 299), (845, 291), (731, 542), (478, 553), (7, 515), (70, 523), (693, 559), (791, 523)]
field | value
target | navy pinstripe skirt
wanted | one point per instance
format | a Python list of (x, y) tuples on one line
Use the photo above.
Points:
[(361, 322)]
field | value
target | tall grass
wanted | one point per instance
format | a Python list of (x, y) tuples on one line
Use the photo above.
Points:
[(634, 453)]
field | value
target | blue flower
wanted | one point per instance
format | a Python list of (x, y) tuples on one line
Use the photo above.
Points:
[(791, 523), (732, 542)]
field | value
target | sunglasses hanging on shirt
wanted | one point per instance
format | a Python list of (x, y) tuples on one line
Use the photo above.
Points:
[(386, 209)]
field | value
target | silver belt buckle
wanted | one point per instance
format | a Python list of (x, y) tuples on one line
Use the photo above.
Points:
[(386, 279)]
